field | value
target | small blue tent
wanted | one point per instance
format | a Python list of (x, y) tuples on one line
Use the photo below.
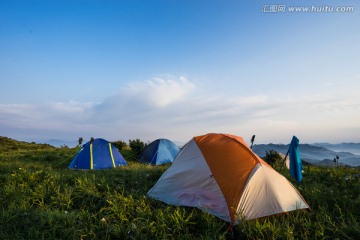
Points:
[(97, 154), (160, 151)]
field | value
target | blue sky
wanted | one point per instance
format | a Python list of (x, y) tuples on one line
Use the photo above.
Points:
[(177, 69)]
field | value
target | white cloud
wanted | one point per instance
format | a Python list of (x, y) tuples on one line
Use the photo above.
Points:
[(60, 116), (173, 108), (70, 107), (160, 92)]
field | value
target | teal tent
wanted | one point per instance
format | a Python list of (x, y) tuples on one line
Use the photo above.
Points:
[(160, 151)]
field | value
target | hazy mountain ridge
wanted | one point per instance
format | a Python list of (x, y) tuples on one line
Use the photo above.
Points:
[(60, 143), (315, 153), (341, 147)]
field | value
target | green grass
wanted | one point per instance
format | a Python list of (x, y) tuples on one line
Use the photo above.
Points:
[(41, 199)]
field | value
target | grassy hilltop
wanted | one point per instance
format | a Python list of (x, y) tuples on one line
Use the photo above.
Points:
[(41, 199)]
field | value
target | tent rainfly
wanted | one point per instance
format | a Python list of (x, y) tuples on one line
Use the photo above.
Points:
[(221, 175), (97, 154), (160, 151), (295, 160)]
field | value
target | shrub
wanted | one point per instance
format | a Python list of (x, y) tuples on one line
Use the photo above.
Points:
[(274, 159), (137, 146), (120, 145)]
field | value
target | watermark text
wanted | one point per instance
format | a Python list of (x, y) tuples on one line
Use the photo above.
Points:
[(281, 8)]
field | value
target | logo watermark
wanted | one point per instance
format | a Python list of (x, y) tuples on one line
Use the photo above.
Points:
[(281, 8)]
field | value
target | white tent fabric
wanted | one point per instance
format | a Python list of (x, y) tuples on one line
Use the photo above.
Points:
[(190, 183), (268, 193)]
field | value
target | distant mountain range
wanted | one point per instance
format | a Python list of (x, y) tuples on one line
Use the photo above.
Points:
[(60, 143), (353, 148), (321, 154)]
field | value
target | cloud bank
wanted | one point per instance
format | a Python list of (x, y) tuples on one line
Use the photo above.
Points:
[(174, 108)]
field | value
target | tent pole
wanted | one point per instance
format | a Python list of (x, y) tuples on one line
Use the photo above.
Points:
[(252, 141)]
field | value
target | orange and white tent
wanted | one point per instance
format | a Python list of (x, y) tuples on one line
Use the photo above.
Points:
[(221, 175)]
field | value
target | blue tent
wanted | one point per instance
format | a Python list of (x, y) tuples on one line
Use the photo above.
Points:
[(295, 160), (160, 151), (97, 154)]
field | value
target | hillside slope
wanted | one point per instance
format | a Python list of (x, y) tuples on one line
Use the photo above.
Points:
[(8, 144)]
